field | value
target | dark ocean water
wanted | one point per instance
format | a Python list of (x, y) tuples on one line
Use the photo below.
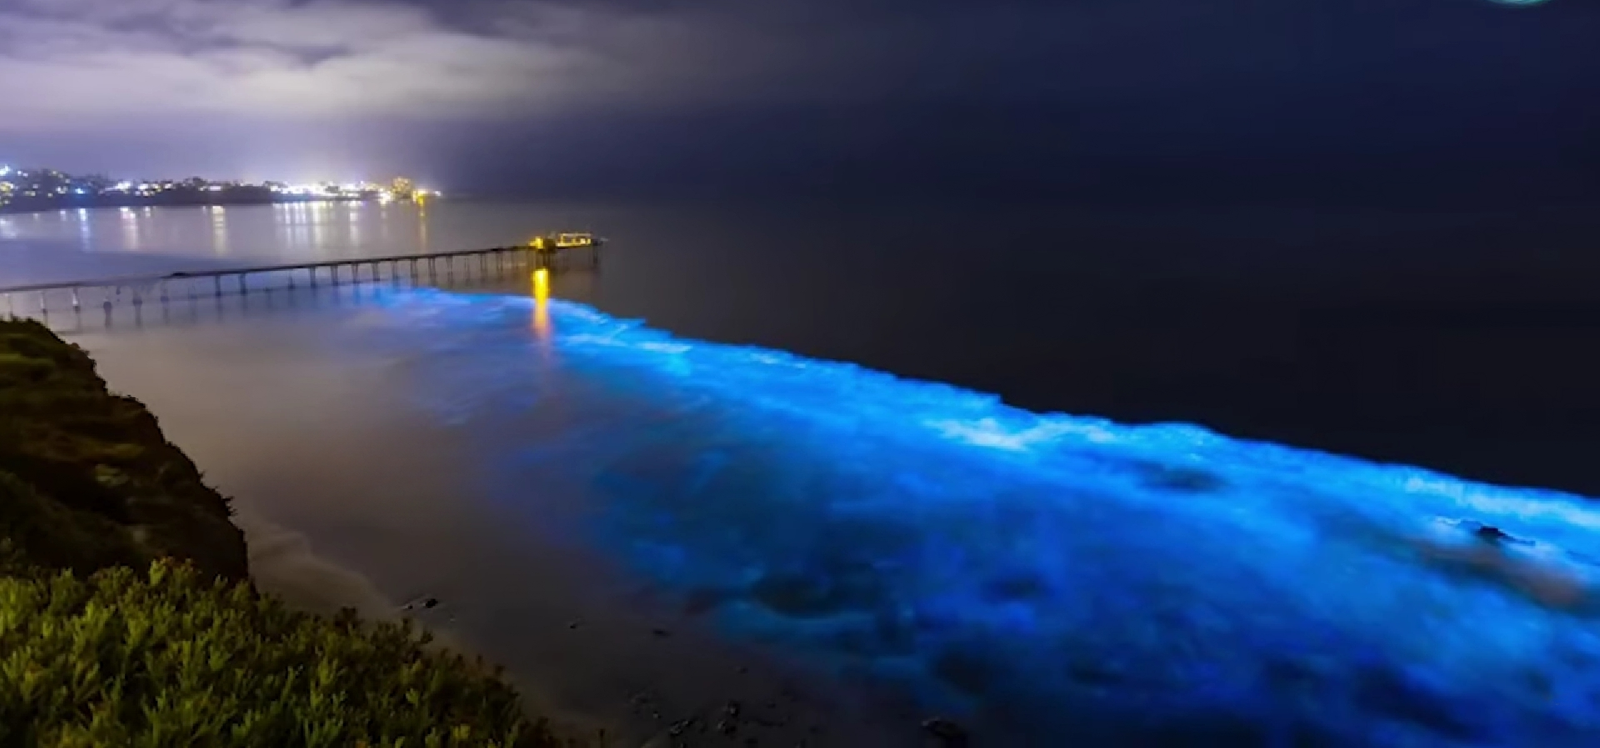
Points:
[(1465, 342)]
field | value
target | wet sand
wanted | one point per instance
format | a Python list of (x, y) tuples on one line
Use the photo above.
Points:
[(618, 676)]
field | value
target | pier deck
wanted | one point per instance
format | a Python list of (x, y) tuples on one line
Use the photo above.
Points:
[(43, 299)]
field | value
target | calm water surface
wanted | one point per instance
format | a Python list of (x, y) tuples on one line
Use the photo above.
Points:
[(1463, 342), (605, 506)]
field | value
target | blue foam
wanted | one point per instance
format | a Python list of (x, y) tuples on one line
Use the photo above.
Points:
[(1065, 578)]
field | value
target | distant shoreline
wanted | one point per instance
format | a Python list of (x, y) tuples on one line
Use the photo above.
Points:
[(176, 199)]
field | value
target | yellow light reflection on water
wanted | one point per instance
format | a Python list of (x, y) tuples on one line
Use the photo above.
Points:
[(422, 228), (541, 303)]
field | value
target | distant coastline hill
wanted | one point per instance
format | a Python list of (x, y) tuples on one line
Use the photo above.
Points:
[(32, 190)]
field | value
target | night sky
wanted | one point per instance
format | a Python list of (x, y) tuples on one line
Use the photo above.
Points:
[(1142, 100)]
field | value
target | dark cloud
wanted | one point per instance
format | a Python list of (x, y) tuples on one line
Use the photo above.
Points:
[(667, 94)]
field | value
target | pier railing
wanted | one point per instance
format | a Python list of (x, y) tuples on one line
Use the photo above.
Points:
[(43, 299)]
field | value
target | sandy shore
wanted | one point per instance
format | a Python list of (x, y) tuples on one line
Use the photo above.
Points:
[(628, 680)]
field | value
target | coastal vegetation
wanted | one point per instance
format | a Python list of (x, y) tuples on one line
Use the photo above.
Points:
[(126, 612)]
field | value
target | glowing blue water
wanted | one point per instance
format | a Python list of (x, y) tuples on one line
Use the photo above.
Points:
[(1054, 578)]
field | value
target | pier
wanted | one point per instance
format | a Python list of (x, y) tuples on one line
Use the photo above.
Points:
[(441, 268)]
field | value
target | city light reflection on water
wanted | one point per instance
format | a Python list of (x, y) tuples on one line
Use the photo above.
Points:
[(273, 234), (219, 229), (130, 227)]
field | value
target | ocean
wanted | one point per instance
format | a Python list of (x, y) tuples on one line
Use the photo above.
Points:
[(1060, 476)]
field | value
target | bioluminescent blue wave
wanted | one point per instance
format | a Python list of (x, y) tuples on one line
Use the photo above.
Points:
[(1062, 580)]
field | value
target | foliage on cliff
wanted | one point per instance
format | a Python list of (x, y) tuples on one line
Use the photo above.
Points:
[(125, 614), (168, 658), (87, 480)]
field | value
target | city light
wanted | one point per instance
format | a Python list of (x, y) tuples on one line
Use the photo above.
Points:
[(45, 189)]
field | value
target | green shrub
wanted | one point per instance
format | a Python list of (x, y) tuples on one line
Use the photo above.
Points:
[(167, 658), (53, 535)]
